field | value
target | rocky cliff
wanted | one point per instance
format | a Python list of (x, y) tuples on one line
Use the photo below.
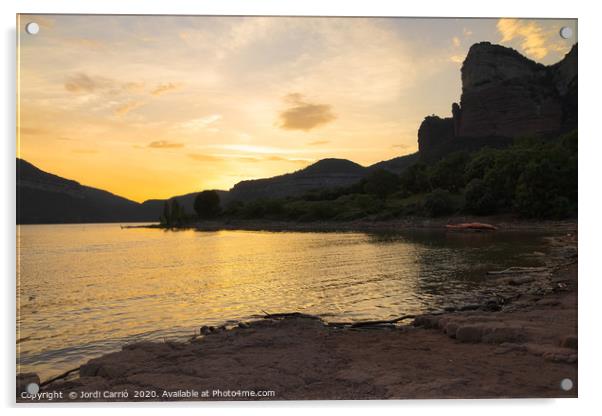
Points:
[(506, 95)]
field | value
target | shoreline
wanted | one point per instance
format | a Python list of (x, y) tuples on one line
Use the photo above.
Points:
[(519, 342), (503, 223)]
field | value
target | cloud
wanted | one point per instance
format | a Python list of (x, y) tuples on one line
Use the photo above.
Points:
[(401, 146), (302, 115), (456, 41), (163, 144), (83, 83), (133, 87), (458, 59), (45, 22), (531, 36), (127, 107), (318, 142), (163, 88), (199, 157), (86, 43), (275, 158), (202, 122)]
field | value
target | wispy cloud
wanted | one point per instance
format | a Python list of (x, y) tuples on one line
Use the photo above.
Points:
[(127, 107), (83, 83), (163, 88), (164, 144), (458, 59), (133, 87), (86, 43), (200, 157), (534, 41), (201, 122), (303, 115), (318, 142)]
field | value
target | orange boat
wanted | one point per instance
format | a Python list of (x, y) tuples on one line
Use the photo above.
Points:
[(471, 226)]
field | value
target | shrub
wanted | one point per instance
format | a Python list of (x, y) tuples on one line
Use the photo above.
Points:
[(449, 173), (479, 198), (437, 203), (381, 183), (538, 194), (415, 179)]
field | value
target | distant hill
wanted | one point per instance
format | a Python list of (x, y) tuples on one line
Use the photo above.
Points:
[(46, 198), (398, 164), (326, 173)]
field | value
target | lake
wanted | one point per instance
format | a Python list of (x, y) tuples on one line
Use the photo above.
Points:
[(86, 289)]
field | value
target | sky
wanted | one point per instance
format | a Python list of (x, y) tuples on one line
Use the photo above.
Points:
[(156, 106)]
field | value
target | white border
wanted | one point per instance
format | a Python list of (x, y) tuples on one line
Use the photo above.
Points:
[(590, 152)]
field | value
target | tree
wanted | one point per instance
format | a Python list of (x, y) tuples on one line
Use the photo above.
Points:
[(538, 194), (415, 179), (176, 215), (479, 198), (381, 183), (449, 172), (207, 204), (165, 218), (439, 202)]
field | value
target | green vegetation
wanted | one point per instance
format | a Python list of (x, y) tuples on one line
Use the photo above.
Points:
[(533, 178)]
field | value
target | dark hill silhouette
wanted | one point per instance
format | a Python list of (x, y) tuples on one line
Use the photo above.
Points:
[(46, 198), (326, 173), (397, 164)]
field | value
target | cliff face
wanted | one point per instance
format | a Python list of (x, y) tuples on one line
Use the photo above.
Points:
[(434, 132), (506, 95)]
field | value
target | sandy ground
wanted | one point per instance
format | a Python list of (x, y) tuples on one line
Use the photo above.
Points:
[(521, 343)]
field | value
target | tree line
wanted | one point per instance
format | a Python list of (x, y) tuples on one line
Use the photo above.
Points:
[(533, 178)]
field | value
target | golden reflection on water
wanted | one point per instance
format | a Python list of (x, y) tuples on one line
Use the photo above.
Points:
[(84, 290)]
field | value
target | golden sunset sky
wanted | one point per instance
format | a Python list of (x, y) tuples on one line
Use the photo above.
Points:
[(156, 106)]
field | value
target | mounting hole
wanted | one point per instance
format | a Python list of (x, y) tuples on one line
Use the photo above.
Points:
[(32, 28), (33, 388), (566, 32), (566, 384)]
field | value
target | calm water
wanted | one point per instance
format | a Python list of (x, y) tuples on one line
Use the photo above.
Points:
[(84, 290)]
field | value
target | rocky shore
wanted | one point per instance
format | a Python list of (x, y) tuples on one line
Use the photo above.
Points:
[(518, 341)]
